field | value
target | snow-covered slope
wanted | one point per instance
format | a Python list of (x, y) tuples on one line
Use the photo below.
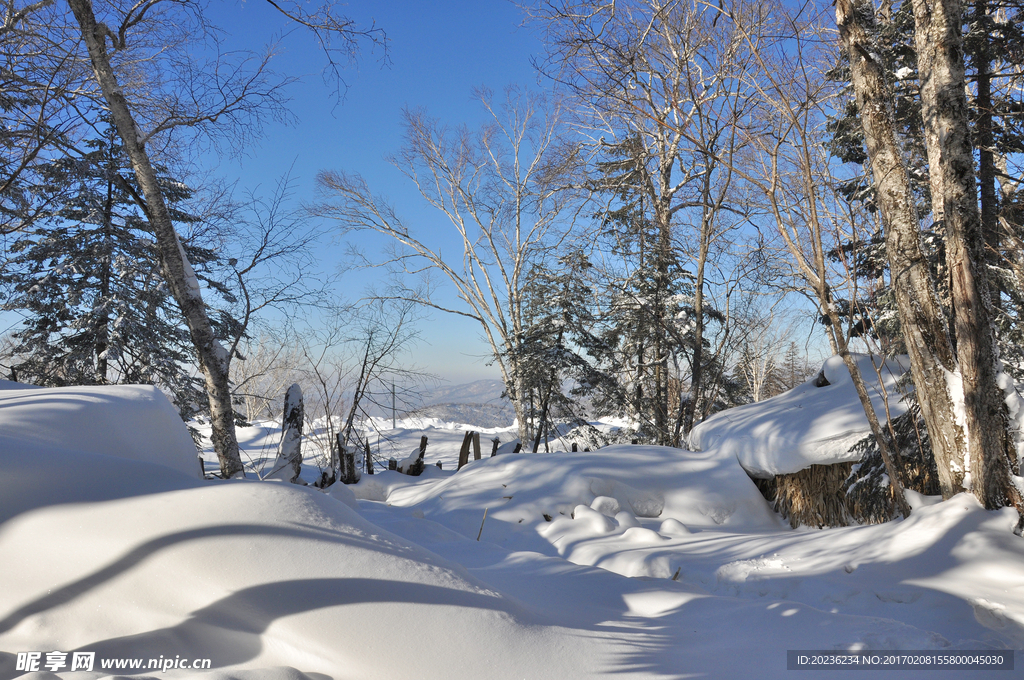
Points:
[(806, 426), (130, 559)]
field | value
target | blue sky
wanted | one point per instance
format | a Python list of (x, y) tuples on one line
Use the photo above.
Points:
[(438, 52)]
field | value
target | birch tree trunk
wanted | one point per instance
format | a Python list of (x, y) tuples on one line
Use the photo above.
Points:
[(181, 279), (921, 318), (940, 59)]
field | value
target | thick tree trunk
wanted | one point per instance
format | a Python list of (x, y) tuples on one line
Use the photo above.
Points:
[(181, 279), (921, 318), (940, 59)]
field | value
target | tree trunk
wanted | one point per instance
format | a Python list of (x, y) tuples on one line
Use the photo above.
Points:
[(954, 201), (986, 149), (181, 279), (697, 370), (921, 318)]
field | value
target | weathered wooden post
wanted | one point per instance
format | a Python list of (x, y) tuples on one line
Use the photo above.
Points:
[(369, 459), (575, 447), (495, 443), (288, 463), (519, 447), (438, 464), (476, 446), (392, 464), (348, 472), (464, 451)]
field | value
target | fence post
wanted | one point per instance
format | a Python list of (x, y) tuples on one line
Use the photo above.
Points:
[(369, 459), (494, 446), (575, 447), (476, 446), (519, 447), (392, 464), (464, 451)]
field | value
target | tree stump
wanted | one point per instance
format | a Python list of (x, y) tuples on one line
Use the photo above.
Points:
[(416, 469), (288, 463), (519, 447), (348, 472)]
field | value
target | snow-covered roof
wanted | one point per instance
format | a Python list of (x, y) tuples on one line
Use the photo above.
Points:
[(808, 425)]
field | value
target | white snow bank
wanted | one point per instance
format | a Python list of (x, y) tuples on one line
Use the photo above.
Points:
[(251, 575), (806, 426), (527, 495), (136, 422)]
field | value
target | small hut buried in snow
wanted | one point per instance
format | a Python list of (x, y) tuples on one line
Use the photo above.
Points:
[(800, 447)]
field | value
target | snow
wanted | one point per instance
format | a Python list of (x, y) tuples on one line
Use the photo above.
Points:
[(806, 426), (136, 422), (655, 562)]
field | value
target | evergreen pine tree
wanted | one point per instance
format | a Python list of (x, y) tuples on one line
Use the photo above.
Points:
[(86, 278)]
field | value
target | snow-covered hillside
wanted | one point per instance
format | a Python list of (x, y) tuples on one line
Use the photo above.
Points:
[(631, 561)]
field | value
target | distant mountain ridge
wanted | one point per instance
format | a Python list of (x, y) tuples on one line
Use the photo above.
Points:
[(480, 403), (476, 392)]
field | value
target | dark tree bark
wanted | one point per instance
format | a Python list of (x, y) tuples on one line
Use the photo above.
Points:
[(940, 57), (289, 454)]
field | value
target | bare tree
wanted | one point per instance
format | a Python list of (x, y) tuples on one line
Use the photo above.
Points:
[(168, 92), (358, 357), (502, 191), (265, 367)]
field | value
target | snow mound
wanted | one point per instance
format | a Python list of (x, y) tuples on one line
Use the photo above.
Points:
[(597, 492), (809, 425), (135, 422)]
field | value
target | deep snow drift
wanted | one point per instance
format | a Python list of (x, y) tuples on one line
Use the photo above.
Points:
[(127, 558)]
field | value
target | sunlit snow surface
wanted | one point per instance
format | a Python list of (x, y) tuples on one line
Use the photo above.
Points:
[(809, 425), (128, 558)]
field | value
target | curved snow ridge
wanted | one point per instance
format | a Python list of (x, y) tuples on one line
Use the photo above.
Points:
[(257, 575), (809, 425)]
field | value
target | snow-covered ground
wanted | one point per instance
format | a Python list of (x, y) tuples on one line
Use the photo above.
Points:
[(630, 561)]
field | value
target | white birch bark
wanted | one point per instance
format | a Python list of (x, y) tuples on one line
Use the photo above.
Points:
[(181, 279)]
